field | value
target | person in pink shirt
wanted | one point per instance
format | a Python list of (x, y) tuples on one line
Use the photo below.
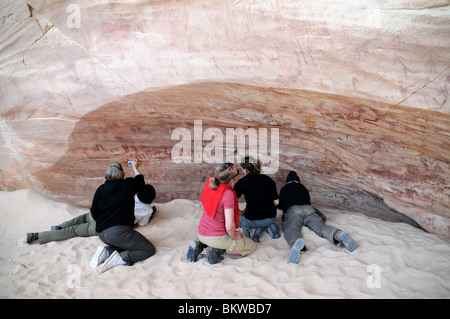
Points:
[(217, 231)]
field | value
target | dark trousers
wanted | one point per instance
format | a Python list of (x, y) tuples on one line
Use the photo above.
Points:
[(131, 245)]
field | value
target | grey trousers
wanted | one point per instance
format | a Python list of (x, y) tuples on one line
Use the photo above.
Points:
[(131, 245), (80, 226), (297, 216)]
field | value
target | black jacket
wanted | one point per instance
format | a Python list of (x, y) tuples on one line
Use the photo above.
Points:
[(259, 191), (113, 202), (293, 193)]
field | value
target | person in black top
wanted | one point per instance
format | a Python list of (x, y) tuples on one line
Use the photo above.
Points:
[(261, 196), (113, 211), (297, 211)]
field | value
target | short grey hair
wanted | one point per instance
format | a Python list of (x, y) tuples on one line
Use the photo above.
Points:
[(114, 172)]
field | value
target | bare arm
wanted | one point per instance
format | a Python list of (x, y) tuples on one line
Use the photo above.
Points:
[(230, 224), (135, 167)]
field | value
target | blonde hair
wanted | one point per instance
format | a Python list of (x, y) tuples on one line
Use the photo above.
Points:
[(114, 172), (223, 174)]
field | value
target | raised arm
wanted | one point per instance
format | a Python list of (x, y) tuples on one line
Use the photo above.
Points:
[(135, 167)]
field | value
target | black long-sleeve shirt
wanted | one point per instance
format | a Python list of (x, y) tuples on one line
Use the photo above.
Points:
[(293, 193), (113, 202), (259, 191)]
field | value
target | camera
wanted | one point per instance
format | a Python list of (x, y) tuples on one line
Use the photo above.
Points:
[(130, 163)]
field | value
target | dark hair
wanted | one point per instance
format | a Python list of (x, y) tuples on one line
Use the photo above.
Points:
[(147, 194), (252, 165)]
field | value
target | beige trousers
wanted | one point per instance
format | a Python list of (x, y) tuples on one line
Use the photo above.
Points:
[(244, 245)]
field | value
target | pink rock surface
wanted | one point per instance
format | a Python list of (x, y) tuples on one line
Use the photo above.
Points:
[(358, 91)]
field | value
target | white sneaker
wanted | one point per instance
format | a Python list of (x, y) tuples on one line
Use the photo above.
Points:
[(99, 257), (111, 262)]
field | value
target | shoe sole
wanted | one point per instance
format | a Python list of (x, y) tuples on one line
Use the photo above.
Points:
[(348, 242), (110, 263), (213, 255), (274, 231), (30, 238), (294, 254), (257, 234), (210, 255), (191, 255), (95, 260)]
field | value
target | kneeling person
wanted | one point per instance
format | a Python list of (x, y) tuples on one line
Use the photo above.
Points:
[(217, 229)]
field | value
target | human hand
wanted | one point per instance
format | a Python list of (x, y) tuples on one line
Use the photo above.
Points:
[(238, 235)]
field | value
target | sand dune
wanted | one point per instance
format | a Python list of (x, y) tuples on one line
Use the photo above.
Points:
[(393, 260)]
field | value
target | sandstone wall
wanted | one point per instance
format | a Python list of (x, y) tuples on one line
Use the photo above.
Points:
[(357, 89)]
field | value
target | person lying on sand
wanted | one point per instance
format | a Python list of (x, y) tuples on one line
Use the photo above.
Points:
[(297, 211), (217, 228), (261, 196), (84, 225)]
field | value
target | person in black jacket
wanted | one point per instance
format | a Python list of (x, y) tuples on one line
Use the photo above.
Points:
[(261, 196), (295, 202), (113, 211)]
